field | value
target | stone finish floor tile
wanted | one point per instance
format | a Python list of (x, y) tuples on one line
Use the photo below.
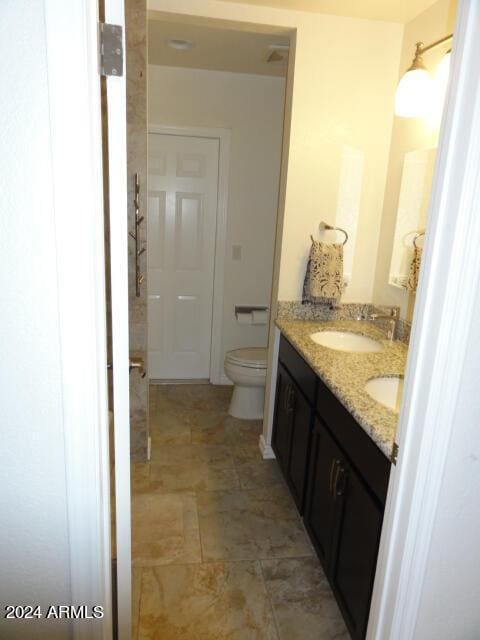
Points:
[(240, 525), (198, 396), (253, 471), (136, 592), (303, 603), (173, 430), (209, 427), (140, 477), (195, 475), (213, 601), (219, 550), (164, 529)]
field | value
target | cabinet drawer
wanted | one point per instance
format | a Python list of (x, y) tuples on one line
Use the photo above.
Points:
[(362, 452), (303, 375)]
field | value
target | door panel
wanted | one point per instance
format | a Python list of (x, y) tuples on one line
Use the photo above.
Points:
[(189, 223), (282, 424), (321, 508), (183, 185), (156, 228), (300, 444), (356, 554)]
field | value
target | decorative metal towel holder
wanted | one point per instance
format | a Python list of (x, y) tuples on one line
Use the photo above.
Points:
[(139, 278), (323, 226)]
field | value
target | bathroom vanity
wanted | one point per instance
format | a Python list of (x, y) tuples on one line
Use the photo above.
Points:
[(336, 467)]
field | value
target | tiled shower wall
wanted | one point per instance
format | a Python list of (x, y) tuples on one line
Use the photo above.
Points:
[(136, 62)]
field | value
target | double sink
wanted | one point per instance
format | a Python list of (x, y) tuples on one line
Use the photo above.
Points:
[(387, 390)]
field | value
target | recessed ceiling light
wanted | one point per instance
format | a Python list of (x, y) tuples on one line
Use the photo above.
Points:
[(177, 43)]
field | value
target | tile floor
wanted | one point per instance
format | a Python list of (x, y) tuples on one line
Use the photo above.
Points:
[(219, 551)]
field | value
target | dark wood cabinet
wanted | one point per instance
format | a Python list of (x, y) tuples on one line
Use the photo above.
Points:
[(321, 516), (338, 478), (299, 446), (282, 430), (291, 434), (354, 563)]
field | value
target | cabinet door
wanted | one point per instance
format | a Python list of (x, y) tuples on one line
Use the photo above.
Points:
[(353, 569), (282, 425), (299, 446), (321, 508)]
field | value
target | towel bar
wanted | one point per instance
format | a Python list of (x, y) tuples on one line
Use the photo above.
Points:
[(323, 226), (139, 278)]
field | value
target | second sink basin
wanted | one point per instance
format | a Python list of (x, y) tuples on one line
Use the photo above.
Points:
[(386, 390), (346, 341)]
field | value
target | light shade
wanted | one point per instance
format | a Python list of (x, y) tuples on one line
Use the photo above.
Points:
[(440, 84), (413, 96)]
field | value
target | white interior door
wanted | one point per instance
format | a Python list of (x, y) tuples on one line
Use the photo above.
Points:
[(182, 213)]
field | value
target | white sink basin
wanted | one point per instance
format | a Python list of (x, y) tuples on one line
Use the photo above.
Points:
[(388, 391), (346, 341)]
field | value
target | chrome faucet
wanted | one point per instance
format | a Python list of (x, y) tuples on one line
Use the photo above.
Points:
[(392, 317)]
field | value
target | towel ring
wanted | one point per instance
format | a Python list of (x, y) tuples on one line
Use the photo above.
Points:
[(323, 226), (419, 235)]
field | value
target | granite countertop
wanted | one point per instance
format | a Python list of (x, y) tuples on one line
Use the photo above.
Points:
[(345, 373)]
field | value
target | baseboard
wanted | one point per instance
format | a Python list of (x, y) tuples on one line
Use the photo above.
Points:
[(166, 381), (221, 380), (266, 449)]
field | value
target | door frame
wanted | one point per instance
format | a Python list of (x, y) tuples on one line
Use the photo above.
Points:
[(74, 96), (217, 374), (438, 408), (118, 215)]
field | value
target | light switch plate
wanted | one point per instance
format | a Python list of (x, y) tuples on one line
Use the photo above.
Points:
[(236, 252)]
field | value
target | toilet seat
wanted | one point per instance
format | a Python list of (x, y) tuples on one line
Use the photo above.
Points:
[(250, 358)]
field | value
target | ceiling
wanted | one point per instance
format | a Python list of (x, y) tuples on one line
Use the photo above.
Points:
[(228, 47), (215, 48), (391, 10)]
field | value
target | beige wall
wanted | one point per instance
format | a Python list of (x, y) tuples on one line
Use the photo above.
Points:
[(344, 84), (251, 107), (409, 134), (34, 536)]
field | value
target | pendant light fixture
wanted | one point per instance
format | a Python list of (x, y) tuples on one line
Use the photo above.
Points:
[(415, 91)]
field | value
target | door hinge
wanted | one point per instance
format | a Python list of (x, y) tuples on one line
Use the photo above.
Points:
[(394, 454), (111, 49)]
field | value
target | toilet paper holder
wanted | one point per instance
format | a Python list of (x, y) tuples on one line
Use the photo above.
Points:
[(248, 309), (251, 314)]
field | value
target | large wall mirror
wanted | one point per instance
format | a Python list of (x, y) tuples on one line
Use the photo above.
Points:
[(412, 213)]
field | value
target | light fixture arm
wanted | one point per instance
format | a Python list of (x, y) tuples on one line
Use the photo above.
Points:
[(413, 91), (421, 49)]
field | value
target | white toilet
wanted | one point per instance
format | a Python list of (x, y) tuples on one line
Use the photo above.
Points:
[(247, 369)]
